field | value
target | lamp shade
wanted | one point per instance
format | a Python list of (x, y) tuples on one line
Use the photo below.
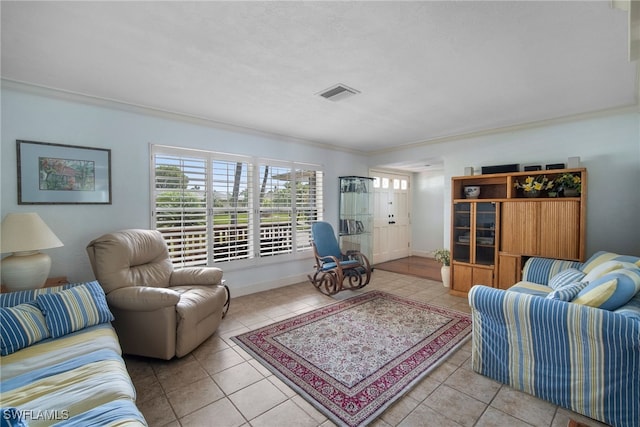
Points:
[(23, 232)]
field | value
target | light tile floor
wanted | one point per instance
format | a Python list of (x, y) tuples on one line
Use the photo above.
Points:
[(219, 384)]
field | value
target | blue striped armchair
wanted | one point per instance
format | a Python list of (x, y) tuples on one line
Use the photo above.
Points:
[(580, 357)]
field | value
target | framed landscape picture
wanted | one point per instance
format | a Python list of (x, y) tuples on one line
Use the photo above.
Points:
[(52, 174)]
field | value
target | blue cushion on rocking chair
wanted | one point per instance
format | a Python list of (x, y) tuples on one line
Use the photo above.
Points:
[(343, 264)]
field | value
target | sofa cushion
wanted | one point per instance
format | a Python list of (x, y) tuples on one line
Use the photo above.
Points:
[(21, 326), (530, 289), (541, 270), (10, 299), (565, 277), (629, 258), (604, 256), (597, 259), (74, 309), (606, 267), (612, 290), (631, 309), (568, 291)]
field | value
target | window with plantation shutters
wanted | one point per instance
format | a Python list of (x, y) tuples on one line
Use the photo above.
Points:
[(214, 207), (232, 231), (308, 205), (290, 199), (276, 210), (180, 207)]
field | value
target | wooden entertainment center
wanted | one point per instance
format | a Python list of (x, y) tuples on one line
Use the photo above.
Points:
[(493, 235)]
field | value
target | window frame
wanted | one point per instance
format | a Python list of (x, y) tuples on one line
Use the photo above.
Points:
[(256, 258)]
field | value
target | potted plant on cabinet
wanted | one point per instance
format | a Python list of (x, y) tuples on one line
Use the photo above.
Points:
[(569, 184), (533, 186), (443, 256)]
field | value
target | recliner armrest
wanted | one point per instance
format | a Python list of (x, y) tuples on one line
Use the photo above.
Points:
[(196, 276), (142, 298)]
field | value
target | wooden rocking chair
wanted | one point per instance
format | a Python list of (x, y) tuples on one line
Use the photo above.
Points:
[(333, 267)]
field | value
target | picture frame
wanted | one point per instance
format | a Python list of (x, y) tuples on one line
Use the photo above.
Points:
[(60, 174)]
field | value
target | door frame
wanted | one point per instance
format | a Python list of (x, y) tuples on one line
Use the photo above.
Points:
[(389, 173)]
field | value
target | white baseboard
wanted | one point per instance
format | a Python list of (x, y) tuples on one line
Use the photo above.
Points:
[(423, 254), (267, 286)]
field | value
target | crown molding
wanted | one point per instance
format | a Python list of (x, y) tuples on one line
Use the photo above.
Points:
[(514, 128), (65, 95), (201, 121)]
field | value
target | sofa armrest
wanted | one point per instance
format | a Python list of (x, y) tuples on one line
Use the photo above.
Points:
[(142, 298), (579, 357), (541, 270), (196, 276)]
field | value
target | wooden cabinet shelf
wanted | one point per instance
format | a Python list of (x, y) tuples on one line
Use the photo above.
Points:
[(501, 186), (492, 235)]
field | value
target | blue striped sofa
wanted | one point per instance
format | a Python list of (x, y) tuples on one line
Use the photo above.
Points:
[(582, 358), (61, 360)]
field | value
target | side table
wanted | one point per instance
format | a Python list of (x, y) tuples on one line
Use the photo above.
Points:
[(51, 281)]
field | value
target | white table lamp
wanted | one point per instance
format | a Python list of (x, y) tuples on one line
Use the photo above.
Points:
[(25, 234)]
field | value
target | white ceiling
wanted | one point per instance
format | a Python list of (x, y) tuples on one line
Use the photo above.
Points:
[(425, 70)]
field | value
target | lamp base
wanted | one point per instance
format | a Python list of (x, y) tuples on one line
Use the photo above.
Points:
[(25, 270)]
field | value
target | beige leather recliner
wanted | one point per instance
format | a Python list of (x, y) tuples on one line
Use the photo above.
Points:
[(159, 311)]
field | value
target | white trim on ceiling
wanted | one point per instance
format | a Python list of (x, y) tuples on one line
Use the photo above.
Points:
[(513, 128), (97, 101), (171, 115)]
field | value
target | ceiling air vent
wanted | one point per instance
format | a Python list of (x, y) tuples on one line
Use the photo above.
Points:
[(338, 92)]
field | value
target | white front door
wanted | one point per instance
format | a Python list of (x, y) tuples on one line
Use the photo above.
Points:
[(391, 224)]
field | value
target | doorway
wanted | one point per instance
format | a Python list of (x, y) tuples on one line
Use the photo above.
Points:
[(391, 221)]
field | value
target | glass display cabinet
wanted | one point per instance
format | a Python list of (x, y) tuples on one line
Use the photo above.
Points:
[(356, 214), (474, 245)]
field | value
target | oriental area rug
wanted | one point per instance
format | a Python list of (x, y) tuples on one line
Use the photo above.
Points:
[(354, 358)]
